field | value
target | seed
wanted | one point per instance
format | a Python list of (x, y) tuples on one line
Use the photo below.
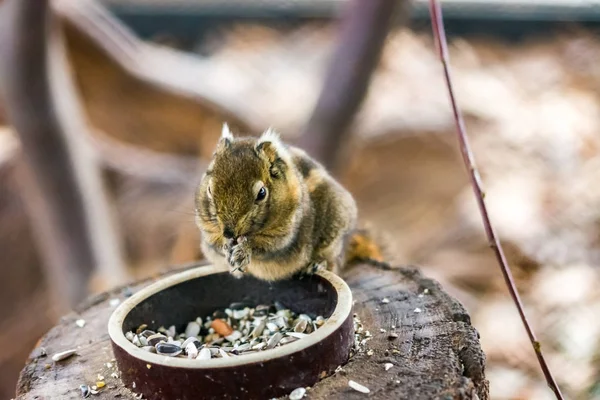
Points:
[(387, 366), (235, 335), (274, 340), (288, 339), (259, 346), (63, 355), (418, 310), (306, 317), (204, 354), (297, 394), (147, 333), (114, 302), (272, 327), (136, 341), (300, 327), (143, 340), (140, 329), (85, 391), (100, 384), (320, 321), (192, 329), (191, 350), (385, 300), (239, 314), (80, 323), (171, 332), (168, 349), (190, 340), (258, 330), (358, 387), (221, 327), (156, 339), (392, 335), (129, 336), (261, 311), (224, 353), (296, 334)]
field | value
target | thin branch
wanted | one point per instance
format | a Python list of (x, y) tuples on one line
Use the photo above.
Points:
[(363, 31), (440, 36)]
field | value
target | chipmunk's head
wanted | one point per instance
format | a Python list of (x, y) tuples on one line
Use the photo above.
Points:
[(249, 188)]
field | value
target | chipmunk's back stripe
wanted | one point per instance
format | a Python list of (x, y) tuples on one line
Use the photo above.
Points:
[(305, 165)]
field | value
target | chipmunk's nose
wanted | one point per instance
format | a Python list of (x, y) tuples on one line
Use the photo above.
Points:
[(228, 233)]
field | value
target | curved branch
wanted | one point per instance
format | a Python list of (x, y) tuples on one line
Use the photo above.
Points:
[(363, 31)]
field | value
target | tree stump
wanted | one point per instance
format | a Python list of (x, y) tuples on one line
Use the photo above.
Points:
[(436, 355)]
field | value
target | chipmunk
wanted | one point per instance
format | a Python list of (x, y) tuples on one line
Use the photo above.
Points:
[(268, 209)]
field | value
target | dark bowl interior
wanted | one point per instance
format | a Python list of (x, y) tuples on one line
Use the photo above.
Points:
[(200, 297)]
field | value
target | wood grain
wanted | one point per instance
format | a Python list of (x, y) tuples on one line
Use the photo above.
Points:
[(436, 355)]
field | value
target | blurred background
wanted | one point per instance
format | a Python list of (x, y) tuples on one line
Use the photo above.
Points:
[(140, 89)]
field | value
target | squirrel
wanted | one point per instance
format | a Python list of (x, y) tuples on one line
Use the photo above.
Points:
[(269, 209)]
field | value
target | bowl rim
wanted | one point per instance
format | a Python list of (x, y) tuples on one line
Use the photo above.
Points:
[(340, 314)]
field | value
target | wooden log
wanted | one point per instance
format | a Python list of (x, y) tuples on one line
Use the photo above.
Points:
[(436, 354)]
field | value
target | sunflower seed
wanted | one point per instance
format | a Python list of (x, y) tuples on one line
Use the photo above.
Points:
[(387, 366), (168, 349), (190, 340), (358, 387), (171, 332), (147, 333), (274, 340), (156, 339), (192, 329), (191, 350), (258, 330), (235, 335), (272, 327), (136, 341), (63, 355), (80, 323), (85, 391), (297, 394), (300, 327), (223, 353), (239, 314), (261, 311), (204, 354), (297, 335)]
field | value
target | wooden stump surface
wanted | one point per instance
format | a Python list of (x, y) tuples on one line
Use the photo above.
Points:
[(437, 354)]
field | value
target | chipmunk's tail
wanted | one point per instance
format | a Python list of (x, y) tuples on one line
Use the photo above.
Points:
[(364, 247)]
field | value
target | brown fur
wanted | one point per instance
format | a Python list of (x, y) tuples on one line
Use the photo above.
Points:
[(305, 220)]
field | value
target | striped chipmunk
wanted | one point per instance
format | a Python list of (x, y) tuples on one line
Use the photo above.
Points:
[(268, 209)]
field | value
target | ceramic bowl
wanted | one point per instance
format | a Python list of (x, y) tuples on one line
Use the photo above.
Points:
[(180, 298)]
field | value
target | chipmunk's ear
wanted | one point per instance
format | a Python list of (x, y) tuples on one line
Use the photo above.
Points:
[(226, 138), (270, 147)]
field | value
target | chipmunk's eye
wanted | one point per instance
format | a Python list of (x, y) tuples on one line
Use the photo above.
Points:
[(262, 193)]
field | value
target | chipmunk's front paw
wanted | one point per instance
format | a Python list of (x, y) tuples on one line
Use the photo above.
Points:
[(313, 267), (239, 256)]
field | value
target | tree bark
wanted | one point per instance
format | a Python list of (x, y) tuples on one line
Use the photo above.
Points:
[(436, 355)]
